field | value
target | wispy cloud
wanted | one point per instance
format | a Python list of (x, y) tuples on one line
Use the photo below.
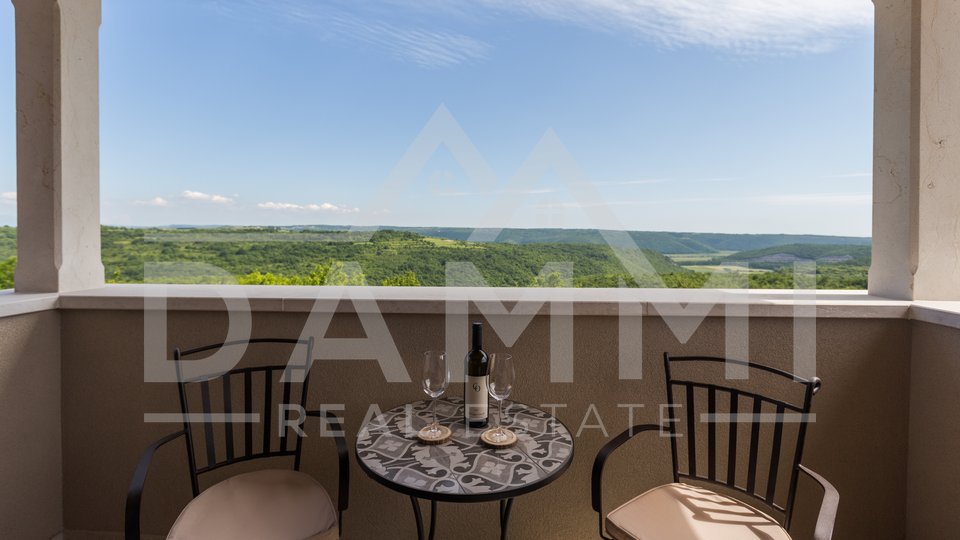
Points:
[(630, 182), (718, 179), (8, 197), (423, 44), (743, 26), (291, 207), (208, 197), (156, 201), (530, 191), (798, 199), (422, 31)]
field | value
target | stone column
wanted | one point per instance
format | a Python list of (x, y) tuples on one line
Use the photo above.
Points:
[(937, 109), (58, 145), (916, 185)]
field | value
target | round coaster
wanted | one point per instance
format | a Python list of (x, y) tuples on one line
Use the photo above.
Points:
[(440, 437), (487, 438)]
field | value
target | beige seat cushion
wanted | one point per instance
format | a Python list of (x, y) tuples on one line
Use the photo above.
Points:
[(684, 512), (260, 505)]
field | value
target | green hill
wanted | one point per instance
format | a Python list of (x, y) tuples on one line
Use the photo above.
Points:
[(312, 256), (384, 255), (664, 242), (823, 254)]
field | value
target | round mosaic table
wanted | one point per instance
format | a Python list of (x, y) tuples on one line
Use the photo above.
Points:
[(463, 469)]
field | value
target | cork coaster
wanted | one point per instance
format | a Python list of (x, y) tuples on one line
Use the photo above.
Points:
[(488, 438), (442, 436)]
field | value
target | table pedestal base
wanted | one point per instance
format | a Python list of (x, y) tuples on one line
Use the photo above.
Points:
[(505, 506)]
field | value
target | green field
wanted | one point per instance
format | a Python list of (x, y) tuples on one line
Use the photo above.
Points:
[(694, 258), (706, 262), (313, 256), (725, 268)]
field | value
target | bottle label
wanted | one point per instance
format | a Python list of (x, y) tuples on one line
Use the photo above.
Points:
[(475, 398)]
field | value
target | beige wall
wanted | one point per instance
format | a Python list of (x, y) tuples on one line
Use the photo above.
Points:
[(30, 458), (859, 441), (933, 507)]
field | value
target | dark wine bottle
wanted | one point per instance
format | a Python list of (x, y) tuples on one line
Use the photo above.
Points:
[(475, 398)]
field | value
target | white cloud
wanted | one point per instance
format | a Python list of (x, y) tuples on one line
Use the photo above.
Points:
[(798, 199), (324, 207), (744, 26), (413, 42), (156, 201), (412, 30), (200, 196), (424, 47), (9, 197)]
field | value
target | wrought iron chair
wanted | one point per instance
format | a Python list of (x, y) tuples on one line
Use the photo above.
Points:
[(268, 503), (680, 511)]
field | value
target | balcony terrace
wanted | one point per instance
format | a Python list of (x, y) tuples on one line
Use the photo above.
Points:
[(887, 434)]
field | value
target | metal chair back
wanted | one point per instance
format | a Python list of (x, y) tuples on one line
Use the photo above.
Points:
[(242, 414), (727, 434)]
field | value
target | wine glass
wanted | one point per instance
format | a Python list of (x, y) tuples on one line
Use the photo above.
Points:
[(500, 383), (434, 382)]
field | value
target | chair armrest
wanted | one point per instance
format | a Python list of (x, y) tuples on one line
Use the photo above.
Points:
[(828, 506), (132, 512), (343, 457), (596, 480)]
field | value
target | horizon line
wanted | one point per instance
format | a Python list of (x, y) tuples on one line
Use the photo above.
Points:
[(383, 226)]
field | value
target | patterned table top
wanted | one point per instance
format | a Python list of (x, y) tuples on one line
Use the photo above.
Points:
[(463, 469)]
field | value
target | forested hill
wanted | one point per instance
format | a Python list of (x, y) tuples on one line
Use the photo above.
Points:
[(310, 256), (775, 257), (384, 256), (664, 242)]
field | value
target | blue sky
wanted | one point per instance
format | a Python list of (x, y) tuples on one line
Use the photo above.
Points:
[(692, 115)]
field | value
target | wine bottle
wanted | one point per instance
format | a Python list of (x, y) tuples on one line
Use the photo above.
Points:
[(475, 386)]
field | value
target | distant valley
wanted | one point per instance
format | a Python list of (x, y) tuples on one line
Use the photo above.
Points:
[(421, 256), (664, 242)]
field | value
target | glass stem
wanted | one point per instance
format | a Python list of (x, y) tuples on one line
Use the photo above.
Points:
[(434, 407), (500, 417)]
